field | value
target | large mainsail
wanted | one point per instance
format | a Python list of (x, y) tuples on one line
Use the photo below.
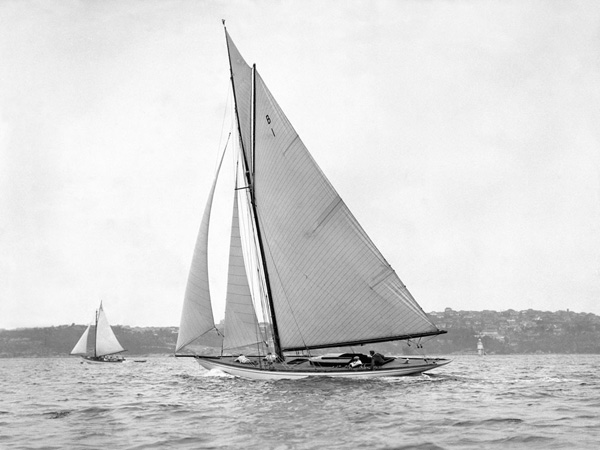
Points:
[(241, 323), (330, 285), (106, 341), (197, 314)]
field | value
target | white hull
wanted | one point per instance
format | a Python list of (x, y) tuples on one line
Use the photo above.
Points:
[(92, 360), (282, 372)]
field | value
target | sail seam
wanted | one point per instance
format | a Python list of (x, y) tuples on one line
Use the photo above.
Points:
[(327, 213), (290, 144), (381, 277)]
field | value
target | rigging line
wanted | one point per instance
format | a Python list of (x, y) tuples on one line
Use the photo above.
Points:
[(247, 243), (253, 246), (426, 338), (251, 256), (214, 328), (421, 348), (258, 352), (225, 110), (255, 262), (243, 224), (284, 290)]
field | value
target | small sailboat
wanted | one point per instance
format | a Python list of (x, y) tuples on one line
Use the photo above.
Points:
[(303, 274), (480, 349), (106, 346)]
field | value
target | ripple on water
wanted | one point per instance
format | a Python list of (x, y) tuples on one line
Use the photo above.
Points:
[(57, 414), (492, 402)]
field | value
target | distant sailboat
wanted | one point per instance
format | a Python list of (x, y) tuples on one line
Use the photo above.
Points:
[(106, 345), (322, 283)]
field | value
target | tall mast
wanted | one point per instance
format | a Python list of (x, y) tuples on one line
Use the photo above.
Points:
[(276, 340), (249, 175), (96, 331)]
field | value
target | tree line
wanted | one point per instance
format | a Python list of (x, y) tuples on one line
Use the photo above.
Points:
[(506, 332)]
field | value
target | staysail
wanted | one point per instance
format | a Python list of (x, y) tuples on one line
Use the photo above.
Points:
[(81, 346), (241, 323), (106, 341), (330, 284), (197, 314)]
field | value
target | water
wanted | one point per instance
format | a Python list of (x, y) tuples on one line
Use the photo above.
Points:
[(491, 402)]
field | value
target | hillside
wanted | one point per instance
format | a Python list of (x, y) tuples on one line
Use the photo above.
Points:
[(503, 332), (58, 341)]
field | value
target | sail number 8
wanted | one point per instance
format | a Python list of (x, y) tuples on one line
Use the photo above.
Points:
[(269, 123)]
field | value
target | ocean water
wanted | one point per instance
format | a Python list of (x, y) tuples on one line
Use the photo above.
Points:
[(490, 402)]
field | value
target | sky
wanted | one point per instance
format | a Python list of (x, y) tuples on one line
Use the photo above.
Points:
[(463, 135)]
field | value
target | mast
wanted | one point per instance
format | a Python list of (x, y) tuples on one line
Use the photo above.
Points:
[(276, 340), (249, 175), (253, 102), (96, 331)]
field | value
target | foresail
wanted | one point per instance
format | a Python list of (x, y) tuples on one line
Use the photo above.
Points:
[(330, 284), (81, 346), (106, 341), (241, 324), (197, 314)]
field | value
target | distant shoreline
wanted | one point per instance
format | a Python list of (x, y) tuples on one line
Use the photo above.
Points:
[(505, 332)]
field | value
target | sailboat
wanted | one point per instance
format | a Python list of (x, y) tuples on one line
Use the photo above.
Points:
[(304, 278), (106, 346), (480, 349)]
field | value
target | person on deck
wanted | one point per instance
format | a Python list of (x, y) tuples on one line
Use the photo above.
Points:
[(355, 363), (271, 359), (243, 359), (377, 359)]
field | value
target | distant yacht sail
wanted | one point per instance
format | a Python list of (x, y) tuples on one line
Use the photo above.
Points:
[(322, 281), (105, 344), (480, 349), (81, 346)]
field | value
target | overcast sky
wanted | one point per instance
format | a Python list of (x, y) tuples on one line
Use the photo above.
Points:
[(464, 136)]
